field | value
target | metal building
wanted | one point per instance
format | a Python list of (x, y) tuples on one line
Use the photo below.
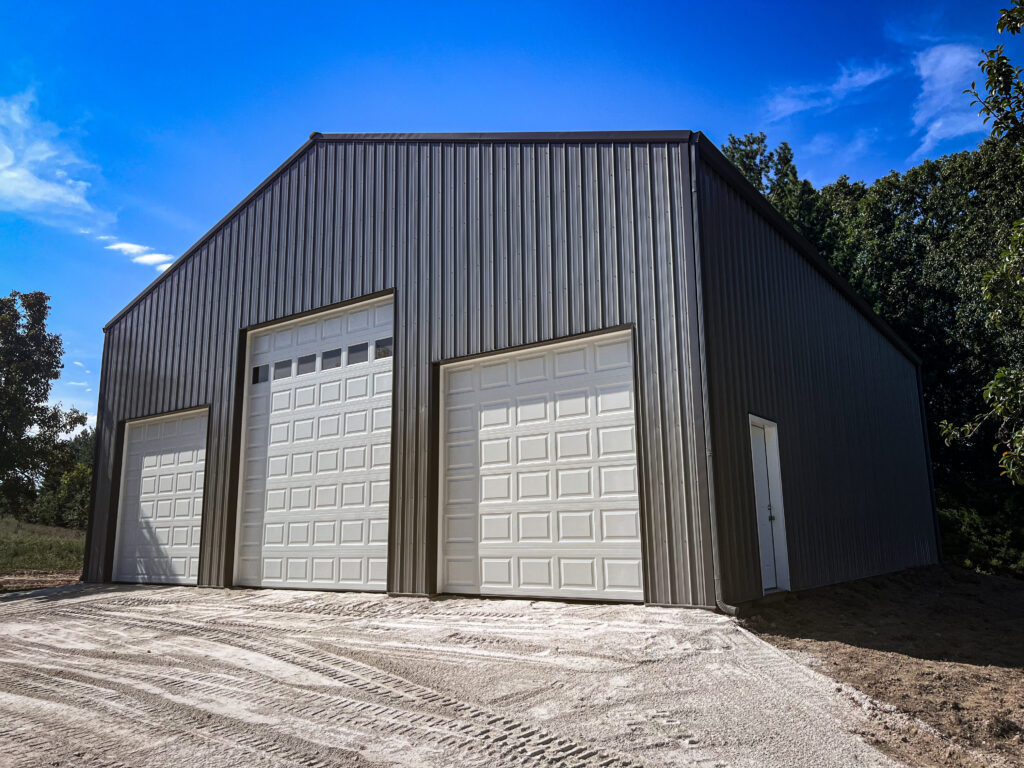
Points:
[(578, 365)]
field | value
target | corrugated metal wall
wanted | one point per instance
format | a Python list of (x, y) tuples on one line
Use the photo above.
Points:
[(784, 343), (488, 243)]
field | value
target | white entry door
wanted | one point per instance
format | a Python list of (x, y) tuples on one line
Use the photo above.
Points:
[(161, 508), (316, 460), (539, 494), (771, 521)]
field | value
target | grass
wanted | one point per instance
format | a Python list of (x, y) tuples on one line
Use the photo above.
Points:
[(29, 547)]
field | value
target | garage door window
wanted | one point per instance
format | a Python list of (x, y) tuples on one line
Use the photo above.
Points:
[(358, 353)]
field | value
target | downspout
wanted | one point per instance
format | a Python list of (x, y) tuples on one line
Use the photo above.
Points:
[(724, 607)]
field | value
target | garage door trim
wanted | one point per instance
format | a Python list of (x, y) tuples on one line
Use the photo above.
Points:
[(445, 367)]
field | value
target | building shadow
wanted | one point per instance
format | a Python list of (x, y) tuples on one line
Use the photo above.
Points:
[(938, 613)]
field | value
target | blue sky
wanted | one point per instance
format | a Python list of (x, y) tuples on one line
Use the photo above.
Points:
[(128, 130)]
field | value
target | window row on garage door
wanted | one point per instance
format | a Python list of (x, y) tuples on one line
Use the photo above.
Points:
[(537, 457)]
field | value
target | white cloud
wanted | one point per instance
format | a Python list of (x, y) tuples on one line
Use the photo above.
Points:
[(39, 171), (794, 99), (943, 110), (154, 259), (162, 267), (77, 383), (128, 249), (80, 365)]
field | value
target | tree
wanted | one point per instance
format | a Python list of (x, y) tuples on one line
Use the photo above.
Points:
[(1003, 287), (66, 490), (30, 427), (773, 173)]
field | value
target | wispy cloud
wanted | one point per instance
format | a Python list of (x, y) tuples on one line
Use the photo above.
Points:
[(943, 110), (129, 249), (154, 259), (41, 176), (142, 254), (795, 99), (77, 383)]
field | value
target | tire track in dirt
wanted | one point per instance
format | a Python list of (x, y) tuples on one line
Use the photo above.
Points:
[(421, 715)]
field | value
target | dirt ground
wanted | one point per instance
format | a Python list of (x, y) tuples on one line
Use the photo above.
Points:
[(178, 676), (22, 580), (942, 645)]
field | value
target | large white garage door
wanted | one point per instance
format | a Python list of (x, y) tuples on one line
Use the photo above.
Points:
[(161, 508), (539, 489), (316, 460)]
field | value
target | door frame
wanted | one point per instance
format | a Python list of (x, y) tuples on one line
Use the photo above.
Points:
[(779, 537)]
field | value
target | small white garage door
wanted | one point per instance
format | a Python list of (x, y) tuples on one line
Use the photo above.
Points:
[(316, 461), (539, 489), (161, 508)]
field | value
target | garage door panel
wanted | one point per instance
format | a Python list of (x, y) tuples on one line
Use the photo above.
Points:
[(161, 506), (317, 458), (540, 488)]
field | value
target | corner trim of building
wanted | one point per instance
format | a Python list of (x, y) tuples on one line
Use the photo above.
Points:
[(708, 493)]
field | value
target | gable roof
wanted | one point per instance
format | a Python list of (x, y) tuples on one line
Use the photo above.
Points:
[(706, 148), (316, 136)]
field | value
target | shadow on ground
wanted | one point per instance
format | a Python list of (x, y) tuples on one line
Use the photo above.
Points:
[(943, 644), (938, 613)]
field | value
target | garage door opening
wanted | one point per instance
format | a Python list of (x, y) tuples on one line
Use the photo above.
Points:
[(317, 452), (539, 487), (161, 502)]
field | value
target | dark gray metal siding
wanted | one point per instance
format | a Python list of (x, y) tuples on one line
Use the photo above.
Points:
[(488, 243), (786, 344)]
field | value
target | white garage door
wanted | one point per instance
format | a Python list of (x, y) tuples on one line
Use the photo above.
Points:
[(161, 508), (314, 501), (539, 495)]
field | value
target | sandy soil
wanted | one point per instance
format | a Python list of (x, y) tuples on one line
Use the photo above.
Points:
[(146, 676), (22, 580), (943, 646)]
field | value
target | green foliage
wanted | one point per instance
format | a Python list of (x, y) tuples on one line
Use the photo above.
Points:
[(1003, 286), (30, 428), (1003, 100), (25, 547), (65, 494), (984, 537), (66, 502)]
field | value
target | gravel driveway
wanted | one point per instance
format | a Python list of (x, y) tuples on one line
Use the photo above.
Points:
[(152, 676)]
